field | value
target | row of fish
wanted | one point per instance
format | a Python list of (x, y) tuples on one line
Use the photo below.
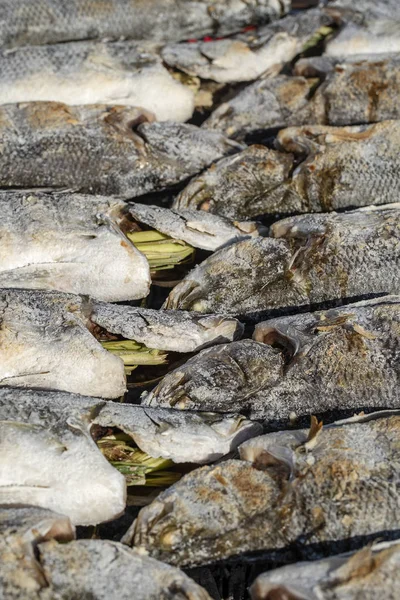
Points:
[(264, 330)]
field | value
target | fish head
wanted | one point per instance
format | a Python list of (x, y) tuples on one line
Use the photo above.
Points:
[(194, 437), (220, 379), (242, 278)]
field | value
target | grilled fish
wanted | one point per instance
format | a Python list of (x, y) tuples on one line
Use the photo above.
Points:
[(248, 55), (34, 566), (294, 490), (46, 340), (310, 259), (48, 458), (79, 244), (323, 362), (100, 149), (103, 569), (21, 530), (127, 73), (369, 573), (342, 167), (356, 90), (30, 22)]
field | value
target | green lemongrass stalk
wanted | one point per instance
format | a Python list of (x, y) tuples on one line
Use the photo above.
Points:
[(138, 467), (161, 251), (317, 37), (134, 354)]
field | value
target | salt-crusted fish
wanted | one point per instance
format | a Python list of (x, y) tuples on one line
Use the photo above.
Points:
[(248, 55), (127, 73), (48, 457), (46, 340), (34, 566), (86, 244), (332, 361), (311, 259), (41, 22), (294, 491), (369, 573), (100, 149), (341, 167), (368, 27), (356, 90)]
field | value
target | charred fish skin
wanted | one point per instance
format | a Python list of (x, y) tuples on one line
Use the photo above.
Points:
[(372, 571), (71, 243), (248, 55), (253, 182), (102, 569), (341, 167), (38, 23), (363, 90), (342, 484), (201, 230), (105, 149), (126, 73), (310, 259), (190, 437), (21, 530), (343, 359), (176, 331)]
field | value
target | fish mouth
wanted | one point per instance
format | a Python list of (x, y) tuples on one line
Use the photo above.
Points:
[(187, 295)]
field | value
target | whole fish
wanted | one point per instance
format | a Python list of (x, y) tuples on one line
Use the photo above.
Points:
[(21, 530), (102, 569), (46, 340), (34, 566), (49, 459), (100, 149), (25, 22), (357, 90), (341, 167), (248, 55), (80, 244), (128, 73), (294, 491), (310, 259), (330, 361), (191, 437), (372, 572)]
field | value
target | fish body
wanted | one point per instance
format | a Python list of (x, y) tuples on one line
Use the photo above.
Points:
[(125, 73), (197, 229), (310, 259), (325, 362), (100, 149), (25, 22), (47, 342), (292, 489), (371, 572), (35, 567), (357, 90), (49, 459), (248, 55), (341, 167), (103, 569)]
